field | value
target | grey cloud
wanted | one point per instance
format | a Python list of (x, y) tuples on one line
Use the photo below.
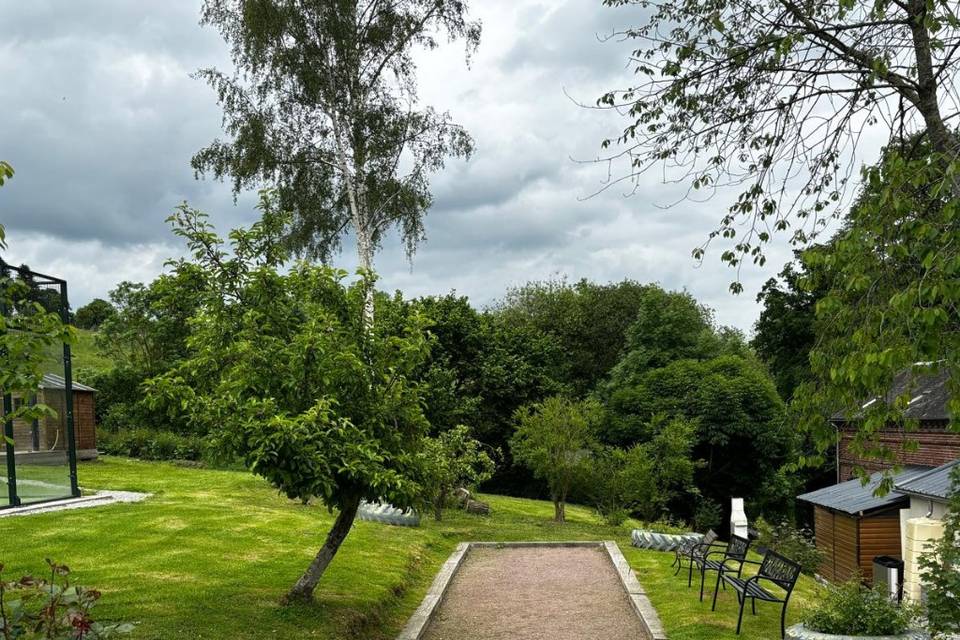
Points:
[(101, 119), (573, 36)]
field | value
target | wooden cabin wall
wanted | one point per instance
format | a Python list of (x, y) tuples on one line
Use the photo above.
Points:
[(837, 539), (879, 536), (53, 429)]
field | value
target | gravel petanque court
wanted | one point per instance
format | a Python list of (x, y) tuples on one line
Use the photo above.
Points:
[(536, 593)]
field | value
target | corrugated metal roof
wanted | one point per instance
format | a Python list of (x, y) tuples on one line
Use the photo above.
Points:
[(935, 483), (855, 498), (929, 394), (53, 381)]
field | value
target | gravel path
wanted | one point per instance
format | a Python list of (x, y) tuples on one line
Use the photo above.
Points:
[(554, 593)]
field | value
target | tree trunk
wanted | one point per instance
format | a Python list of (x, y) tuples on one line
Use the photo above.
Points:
[(362, 225), (559, 510), (942, 141), (438, 505), (365, 254), (302, 591)]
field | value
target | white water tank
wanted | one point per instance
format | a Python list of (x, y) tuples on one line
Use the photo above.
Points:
[(738, 518)]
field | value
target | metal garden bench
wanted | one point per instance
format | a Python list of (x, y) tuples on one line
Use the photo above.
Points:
[(774, 569), (735, 554), (690, 551)]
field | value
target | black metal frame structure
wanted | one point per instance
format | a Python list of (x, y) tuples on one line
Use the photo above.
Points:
[(60, 285)]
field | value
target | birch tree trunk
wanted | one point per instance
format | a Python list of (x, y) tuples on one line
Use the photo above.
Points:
[(365, 255)]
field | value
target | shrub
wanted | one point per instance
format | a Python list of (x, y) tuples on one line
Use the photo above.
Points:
[(618, 481), (646, 478), (451, 461), (667, 525), (796, 544), (851, 609), (39, 609), (151, 445), (708, 515)]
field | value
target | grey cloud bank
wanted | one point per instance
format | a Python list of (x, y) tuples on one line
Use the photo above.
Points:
[(101, 117)]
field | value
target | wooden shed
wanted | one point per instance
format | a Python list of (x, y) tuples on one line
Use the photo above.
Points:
[(853, 526), (48, 436)]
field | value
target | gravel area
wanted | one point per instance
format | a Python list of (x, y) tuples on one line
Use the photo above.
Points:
[(98, 499), (554, 593)]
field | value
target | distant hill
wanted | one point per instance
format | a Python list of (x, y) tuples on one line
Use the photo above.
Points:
[(84, 355)]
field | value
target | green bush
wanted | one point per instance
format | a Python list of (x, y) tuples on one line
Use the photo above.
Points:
[(708, 515), (151, 445), (667, 525), (851, 609), (797, 544)]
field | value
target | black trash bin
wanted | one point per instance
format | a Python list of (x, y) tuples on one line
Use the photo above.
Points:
[(888, 575)]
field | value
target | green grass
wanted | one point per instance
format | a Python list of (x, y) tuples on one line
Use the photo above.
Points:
[(212, 552), (84, 355)]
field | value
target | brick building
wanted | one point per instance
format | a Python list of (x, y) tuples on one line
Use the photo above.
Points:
[(852, 525), (935, 445)]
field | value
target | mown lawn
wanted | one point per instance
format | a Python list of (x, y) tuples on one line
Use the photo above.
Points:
[(212, 552)]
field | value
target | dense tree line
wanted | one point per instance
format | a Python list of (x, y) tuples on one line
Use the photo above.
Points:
[(646, 357)]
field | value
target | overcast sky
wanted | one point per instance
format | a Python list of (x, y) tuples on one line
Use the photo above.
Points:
[(99, 117)]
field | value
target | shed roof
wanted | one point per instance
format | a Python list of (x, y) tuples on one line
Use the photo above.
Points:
[(929, 394), (854, 498), (53, 381), (934, 483)]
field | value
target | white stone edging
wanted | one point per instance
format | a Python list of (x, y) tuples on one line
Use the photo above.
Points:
[(635, 591), (417, 624)]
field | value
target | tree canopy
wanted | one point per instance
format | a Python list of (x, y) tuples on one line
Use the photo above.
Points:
[(669, 326), (93, 314), (741, 433), (555, 439), (283, 372), (785, 332), (772, 98), (893, 302), (323, 106), (588, 320)]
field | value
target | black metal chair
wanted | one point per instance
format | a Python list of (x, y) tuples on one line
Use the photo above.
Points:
[(776, 569), (685, 553), (735, 554)]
